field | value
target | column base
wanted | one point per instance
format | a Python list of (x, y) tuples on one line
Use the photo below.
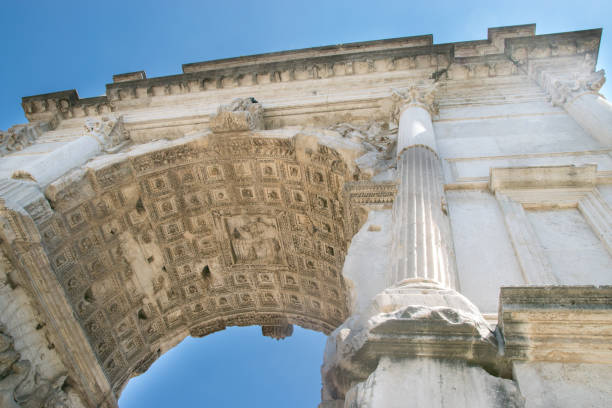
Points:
[(416, 319)]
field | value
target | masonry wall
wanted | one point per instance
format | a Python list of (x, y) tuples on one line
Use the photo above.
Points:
[(511, 123)]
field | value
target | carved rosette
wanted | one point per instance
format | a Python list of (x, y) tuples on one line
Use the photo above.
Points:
[(414, 95)]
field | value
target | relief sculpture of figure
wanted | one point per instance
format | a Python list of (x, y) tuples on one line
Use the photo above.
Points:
[(255, 241)]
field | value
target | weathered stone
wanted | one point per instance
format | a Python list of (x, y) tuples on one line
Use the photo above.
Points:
[(432, 383), (239, 115), (539, 323), (131, 220), (277, 332), (415, 320)]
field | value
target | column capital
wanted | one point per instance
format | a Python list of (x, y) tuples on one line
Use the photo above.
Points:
[(107, 130), (565, 89), (421, 96)]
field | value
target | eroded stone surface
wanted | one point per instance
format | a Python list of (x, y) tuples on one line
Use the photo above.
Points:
[(182, 214), (417, 320), (240, 114), (228, 230), (404, 383), (551, 384)]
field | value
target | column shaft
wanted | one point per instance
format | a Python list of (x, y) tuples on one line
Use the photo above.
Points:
[(422, 245)]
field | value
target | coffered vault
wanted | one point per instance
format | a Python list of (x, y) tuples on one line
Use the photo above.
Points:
[(379, 192)]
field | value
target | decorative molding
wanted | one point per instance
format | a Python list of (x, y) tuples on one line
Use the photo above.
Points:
[(371, 192), (502, 54), (547, 187), (557, 323), (538, 177)]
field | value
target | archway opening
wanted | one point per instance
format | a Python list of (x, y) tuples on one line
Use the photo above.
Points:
[(231, 368), (158, 244)]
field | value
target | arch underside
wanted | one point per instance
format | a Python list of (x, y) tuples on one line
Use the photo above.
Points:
[(192, 237)]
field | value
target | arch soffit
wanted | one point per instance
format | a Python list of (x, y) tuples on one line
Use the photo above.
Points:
[(201, 233)]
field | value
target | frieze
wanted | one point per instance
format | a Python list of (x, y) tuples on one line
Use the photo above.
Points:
[(371, 192), (499, 55)]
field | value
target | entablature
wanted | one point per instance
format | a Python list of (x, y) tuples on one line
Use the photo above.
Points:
[(507, 51)]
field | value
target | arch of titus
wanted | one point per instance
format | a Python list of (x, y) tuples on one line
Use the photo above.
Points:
[(441, 211)]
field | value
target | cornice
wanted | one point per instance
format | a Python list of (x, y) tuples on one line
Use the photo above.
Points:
[(507, 51)]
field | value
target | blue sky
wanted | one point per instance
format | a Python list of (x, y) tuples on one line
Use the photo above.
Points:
[(55, 45), (49, 46), (234, 368)]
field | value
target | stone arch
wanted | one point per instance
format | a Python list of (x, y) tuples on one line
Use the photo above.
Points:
[(191, 236)]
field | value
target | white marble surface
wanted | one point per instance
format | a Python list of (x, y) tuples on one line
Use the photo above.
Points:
[(408, 383), (485, 257), (577, 256), (564, 385)]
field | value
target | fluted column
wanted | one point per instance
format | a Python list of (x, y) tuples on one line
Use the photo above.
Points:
[(420, 322), (579, 96), (422, 244)]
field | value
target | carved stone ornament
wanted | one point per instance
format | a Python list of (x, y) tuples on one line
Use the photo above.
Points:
[(21, 136), (374, 135), (232, 230), (239, 115), (563, 91), (277, 332), (21, 386), (414, 96), (108, 130)]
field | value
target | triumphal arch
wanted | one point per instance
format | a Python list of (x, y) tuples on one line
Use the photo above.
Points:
[(441, 211)]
